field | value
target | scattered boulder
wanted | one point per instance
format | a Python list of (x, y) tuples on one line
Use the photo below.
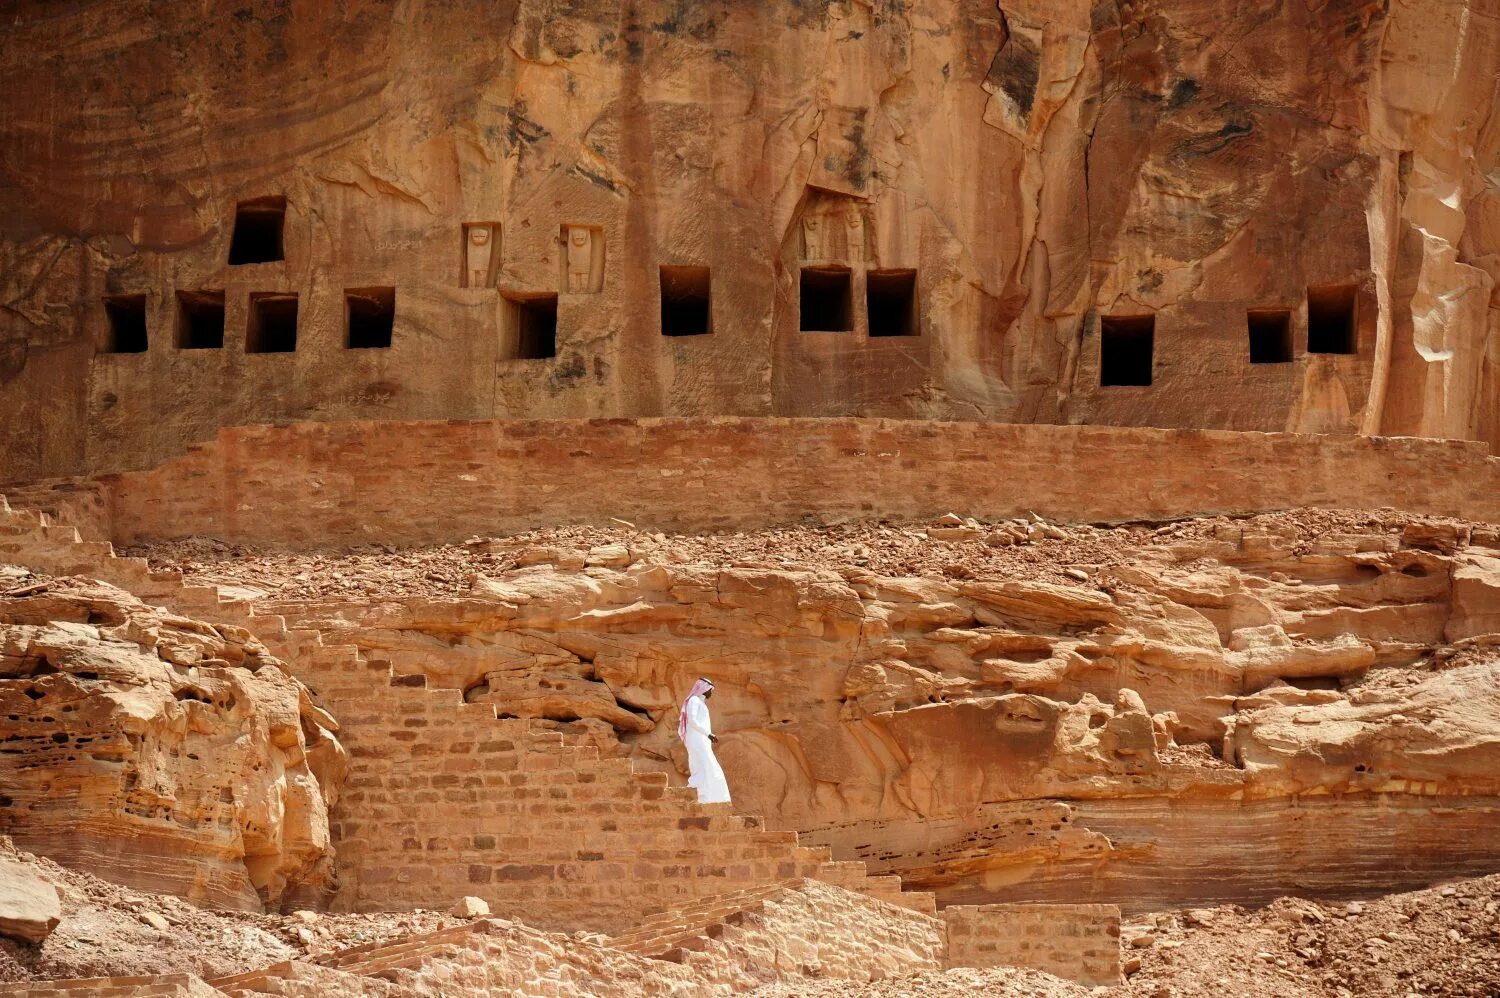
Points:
[(608, 556), (29, 906), (470, 907), (154, 920)]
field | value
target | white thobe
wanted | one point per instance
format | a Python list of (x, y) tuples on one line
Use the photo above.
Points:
[(705, 776)]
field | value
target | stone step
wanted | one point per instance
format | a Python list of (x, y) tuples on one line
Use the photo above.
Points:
[(64, 535)]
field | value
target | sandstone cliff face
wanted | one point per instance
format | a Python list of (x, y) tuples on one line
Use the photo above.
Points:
[(161, 752), (992, 737), (996, 179)]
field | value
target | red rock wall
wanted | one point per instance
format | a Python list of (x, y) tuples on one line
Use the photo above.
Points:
[(1039, 164), (326, 484), (1169, 853)]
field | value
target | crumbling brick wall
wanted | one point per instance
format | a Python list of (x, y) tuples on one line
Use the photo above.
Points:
[(1079, 942), (820, 931), (319, 484), (443, 799)]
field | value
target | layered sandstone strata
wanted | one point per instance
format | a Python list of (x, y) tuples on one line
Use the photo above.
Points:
[(162, 752), (1143, 213), (992, 737)]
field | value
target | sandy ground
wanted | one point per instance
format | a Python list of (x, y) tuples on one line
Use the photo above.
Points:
[(1440, 941), (104, 933)]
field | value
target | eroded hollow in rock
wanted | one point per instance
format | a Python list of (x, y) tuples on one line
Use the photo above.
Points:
[(126, 316), (273, 323), (1126, 349), (891, 302), (1270, 335), (532, 322), (826, 300), (1330, 319), (200, 320), (258, 226), (686, 301), (369, 317)]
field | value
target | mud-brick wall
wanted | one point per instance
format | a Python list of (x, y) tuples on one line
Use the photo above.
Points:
[(1078, 942), (444, 799), (822, 931), (312, 484)]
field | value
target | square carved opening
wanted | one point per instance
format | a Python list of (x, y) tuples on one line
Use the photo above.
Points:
[(1270, 335), (686, 301), (125, 316), (532, 320), (272, 326), (1330, 318), (1127, 346), (369, 317), (258, 226), (200, 320), (825, 304), (891, 302)]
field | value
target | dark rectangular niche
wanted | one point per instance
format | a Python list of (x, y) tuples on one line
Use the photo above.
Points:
[(200, 320), (273, 323), (1270, 335), (1330, 319), (369, 317), (891, 302), (686, 301), (258, 226), (126, 317), (534, 320), (1126, 349), (825, 300)]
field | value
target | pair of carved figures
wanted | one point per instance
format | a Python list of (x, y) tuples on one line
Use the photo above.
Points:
[(834, 234), (582, 256)]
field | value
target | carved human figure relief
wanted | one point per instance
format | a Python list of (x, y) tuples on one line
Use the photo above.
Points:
[(580, 258), (854, 223), (812, 238), (583, 258), (479, 255)]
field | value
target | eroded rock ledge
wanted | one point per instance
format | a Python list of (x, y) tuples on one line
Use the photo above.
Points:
[(989, 735), (164, 753)]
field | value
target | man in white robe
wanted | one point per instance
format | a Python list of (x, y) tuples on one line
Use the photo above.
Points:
[(696, 732)]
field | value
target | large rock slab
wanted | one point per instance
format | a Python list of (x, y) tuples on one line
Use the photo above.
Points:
[(29, 906)]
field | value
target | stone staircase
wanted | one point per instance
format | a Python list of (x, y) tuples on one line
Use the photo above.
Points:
[(444, 798), (723, 945), (672, 934), (304, 979), (31, 538), (163, 986)]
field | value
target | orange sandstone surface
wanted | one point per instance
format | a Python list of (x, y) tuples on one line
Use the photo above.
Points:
[(1062, 429)]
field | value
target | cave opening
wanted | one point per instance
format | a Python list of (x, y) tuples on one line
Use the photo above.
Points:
[(200, 320), (273, 323), (257, 236), (533, 319), (126, 315), (1330, 319), (825, 300), (1127, 346), (369, 318), (891, 302), (1270, 335), (686, 301)]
